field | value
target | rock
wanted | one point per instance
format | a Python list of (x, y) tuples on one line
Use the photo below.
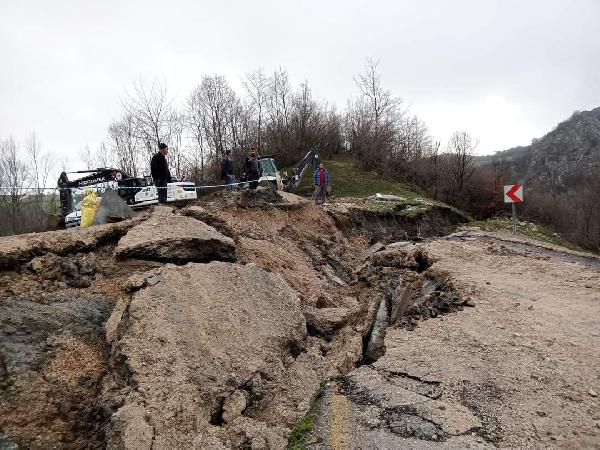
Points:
[(372, 249), (399, 244), (387, 198), (86, 266), (328, 270), (468, 302), (189, 341), (112, 209), (169, 237), (234, 405), (325, 321), (73, 271), (18, 250), (80, 282), (593, 393), (376, 345), (151, 281), (47, 266), (134, 282)]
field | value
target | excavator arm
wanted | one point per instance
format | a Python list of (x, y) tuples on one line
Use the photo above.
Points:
[(310, 159)]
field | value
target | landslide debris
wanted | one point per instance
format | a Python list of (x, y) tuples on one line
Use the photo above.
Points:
[(165, 236), (205, 353), (51, 365), (75, 271)]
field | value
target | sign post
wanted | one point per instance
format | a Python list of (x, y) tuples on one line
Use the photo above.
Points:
[(513, 193)]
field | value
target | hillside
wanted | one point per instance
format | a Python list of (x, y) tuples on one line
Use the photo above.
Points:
[(563, 158)]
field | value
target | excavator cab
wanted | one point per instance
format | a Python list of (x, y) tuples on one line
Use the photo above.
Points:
[(270, 172)]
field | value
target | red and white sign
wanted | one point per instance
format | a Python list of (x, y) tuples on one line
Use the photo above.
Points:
[(513, 193)]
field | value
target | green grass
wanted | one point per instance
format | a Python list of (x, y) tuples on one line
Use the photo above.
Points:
[(347, 180), (538, 232), (302, 430)]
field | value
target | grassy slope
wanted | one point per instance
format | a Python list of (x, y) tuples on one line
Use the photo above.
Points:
[(348, 180)]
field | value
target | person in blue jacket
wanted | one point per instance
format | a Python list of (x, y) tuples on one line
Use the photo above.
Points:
[(321, 178)]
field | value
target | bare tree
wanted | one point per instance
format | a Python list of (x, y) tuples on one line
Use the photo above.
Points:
[(213, 115), (124, 144), (381, 101), (17, 180), (461, 148), (104, 157), (41, 164), (87, 157), (152, 111), (257, 85)]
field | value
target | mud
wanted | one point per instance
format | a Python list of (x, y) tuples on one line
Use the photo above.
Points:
[(52, 360)]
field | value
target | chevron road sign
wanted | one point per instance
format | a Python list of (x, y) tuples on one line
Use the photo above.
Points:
[(513, 193)]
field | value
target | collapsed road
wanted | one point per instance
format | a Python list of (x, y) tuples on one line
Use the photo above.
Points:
[(252, 320)]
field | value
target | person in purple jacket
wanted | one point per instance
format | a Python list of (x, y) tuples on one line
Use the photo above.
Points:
[(321, 178)]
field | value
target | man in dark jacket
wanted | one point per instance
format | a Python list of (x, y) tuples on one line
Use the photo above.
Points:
[(253, 168), (227, 169), (321, 178), (159, 169)]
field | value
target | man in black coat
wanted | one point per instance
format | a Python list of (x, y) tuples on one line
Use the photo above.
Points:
[(159, 169), (253, 168), (227, 170)]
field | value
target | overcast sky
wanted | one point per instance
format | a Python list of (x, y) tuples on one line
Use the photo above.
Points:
[(504, 70)]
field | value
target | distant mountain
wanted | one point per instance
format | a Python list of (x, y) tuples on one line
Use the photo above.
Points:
[(561, 159)]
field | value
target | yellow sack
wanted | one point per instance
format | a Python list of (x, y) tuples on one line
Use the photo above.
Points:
[(89, 206)]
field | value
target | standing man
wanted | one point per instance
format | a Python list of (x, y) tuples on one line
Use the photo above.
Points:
[(321, 178), (253, 168), (159, 169), (227, 170)]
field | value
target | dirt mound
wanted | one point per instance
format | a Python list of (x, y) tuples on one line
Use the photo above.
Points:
[(263, 197)]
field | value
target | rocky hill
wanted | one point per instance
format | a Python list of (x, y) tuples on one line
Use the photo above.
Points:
[(562, 158)]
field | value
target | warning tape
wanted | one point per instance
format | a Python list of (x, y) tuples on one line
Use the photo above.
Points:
[(202, 186)]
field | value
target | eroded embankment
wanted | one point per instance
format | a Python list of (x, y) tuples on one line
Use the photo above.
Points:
[(390, 221), (134, 351)]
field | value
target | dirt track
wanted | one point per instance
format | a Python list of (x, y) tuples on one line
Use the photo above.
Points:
[(524, 361)]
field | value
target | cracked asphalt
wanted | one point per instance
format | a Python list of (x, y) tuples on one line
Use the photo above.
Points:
[(520, 370)]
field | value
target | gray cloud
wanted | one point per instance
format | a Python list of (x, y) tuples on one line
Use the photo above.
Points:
[(505, 70)]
